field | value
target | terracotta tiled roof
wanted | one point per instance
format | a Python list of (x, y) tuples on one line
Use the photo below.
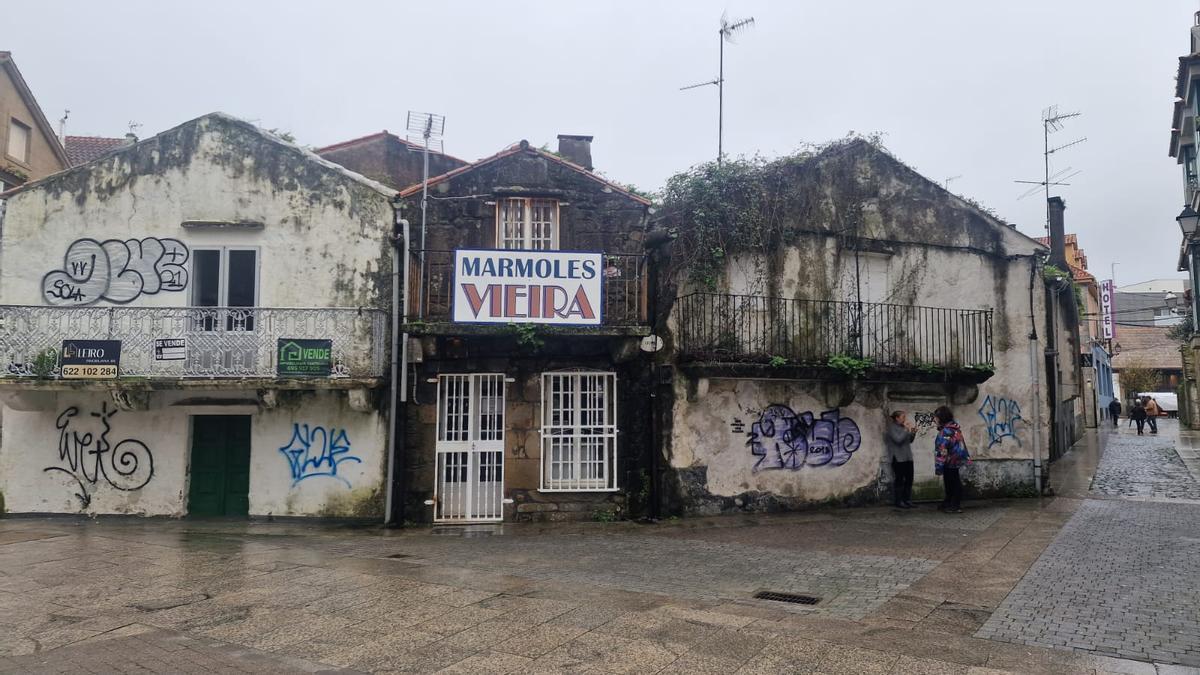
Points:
[(513, 149), (1146, 347), (83, 149)]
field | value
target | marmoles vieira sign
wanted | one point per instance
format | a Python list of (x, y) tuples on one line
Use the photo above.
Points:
[(556, 287)]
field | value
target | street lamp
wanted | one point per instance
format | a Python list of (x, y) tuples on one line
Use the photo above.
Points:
[(1171, 300), (1188, 221)]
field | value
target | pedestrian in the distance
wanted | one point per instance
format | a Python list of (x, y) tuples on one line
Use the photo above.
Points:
[(1114, 411), (1152, 413), (949, 457), (1138, 415), (898, 439)]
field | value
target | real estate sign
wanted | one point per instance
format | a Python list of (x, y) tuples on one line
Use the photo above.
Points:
[(90, 359), (1108, 322), (551, 287), (304, 358)]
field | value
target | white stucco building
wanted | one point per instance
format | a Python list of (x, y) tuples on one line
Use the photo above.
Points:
[(860, 261), (196, 324)]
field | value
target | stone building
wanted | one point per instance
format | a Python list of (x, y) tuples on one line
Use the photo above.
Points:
[(29, 149), (387, 158), (860, 288), (195, 324), (526, 395)]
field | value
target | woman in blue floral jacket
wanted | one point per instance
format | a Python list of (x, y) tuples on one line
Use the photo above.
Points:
[(949, 456)]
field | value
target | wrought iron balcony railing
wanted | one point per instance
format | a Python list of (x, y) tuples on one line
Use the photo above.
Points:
[(218, 342), (745, 329), (431, 278)]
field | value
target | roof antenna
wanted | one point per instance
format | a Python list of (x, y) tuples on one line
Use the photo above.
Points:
[(1052, 121), (425, 129), (133, 127), (726, 33)]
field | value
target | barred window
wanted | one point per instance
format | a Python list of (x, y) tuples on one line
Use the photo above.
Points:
[(579, 431)]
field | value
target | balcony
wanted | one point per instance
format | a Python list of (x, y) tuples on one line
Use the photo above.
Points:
[(430, 286), (744, 329), (213, 343)]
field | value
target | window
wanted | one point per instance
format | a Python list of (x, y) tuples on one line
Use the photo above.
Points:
[(225, 277), (579, 431), (18, 140), (524, 223)]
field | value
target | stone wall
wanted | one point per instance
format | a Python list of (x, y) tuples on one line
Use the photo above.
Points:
[(388, 159)]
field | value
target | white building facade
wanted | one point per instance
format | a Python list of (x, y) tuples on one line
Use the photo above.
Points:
[(196, 325)]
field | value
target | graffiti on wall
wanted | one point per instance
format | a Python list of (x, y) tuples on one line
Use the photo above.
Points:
[(116, 271), (923, 421), (1000, 416), (783, 439), (317, 451), (90, 457)]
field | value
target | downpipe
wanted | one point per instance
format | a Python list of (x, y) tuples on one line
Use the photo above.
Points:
[(1035, 376), (394, 502)]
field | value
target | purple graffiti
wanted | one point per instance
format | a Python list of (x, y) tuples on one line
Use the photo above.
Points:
[(782, 439)]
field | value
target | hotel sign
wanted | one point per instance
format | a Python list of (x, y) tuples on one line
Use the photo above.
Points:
[(551, 287), (1108, 305)]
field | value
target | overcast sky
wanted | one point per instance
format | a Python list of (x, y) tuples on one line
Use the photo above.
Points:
[(956, 88)]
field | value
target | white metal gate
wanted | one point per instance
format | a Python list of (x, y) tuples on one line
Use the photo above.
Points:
[(470, 448)]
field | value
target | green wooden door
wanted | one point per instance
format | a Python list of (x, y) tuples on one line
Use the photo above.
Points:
[(220, 469)]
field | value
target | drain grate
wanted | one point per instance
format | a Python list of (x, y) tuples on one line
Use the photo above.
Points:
[(787, 597)]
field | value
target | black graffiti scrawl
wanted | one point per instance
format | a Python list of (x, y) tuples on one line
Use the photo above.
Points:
[(90, 457), (783, 439), (117, 271)]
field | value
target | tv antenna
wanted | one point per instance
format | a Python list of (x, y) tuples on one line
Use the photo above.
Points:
[(425, 130), (946, 183), (726, 34), (1052, 121)]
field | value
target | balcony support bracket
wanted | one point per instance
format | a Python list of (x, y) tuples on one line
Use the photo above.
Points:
[(360, 400), (128, 400), (268, 399)]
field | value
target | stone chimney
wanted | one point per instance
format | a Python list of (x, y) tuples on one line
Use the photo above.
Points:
[(1058, 238), (576, 149)]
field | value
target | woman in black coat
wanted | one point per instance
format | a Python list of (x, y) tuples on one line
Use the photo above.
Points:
[(1138, 415)]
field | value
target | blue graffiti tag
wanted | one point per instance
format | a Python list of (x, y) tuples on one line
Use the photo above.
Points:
[(781, 439), (1001, 415), (315, 451)]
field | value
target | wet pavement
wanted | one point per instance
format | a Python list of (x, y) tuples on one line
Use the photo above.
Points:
[(898, 591), (1121, 579)]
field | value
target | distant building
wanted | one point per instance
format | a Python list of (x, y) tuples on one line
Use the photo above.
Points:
[(1093, 349), (389, 159), (29, 149), (83, 149), (1147, 347)]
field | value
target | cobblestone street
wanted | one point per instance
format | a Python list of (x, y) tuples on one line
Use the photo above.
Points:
[(1086, 583), (1120, 579)]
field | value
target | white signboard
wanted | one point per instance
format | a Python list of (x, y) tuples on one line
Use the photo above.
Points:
[(553, 287), (1107, 310), (170, 349)]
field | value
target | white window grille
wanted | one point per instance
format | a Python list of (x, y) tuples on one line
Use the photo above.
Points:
[(526, 223), (470, 448), (579, 431)]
